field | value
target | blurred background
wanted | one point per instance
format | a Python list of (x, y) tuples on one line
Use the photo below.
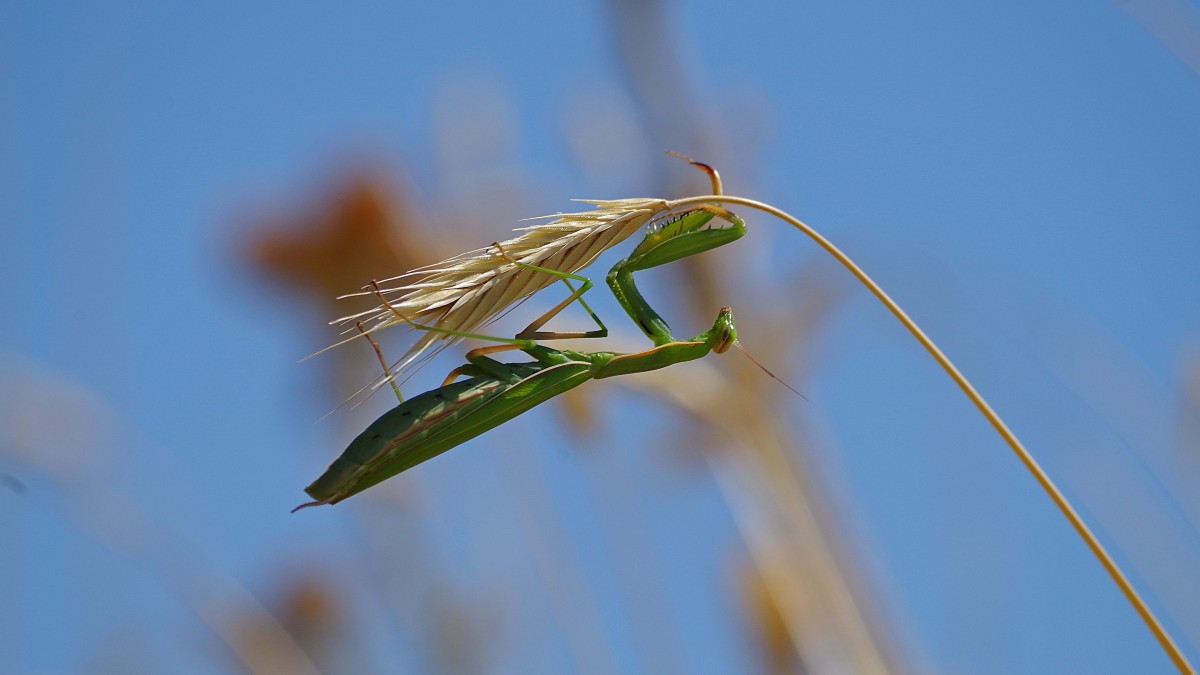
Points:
[(184, 189)]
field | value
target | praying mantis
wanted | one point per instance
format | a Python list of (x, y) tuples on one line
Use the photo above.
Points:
[(433, 422)]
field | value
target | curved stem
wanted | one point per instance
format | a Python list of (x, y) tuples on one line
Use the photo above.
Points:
[(1043, 479)]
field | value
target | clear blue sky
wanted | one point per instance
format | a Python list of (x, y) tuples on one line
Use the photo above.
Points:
[(1024, 177)]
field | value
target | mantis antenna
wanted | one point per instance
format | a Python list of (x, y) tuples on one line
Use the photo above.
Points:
[(763, 368)]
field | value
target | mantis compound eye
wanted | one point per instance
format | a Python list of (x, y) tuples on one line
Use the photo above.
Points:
[(724, 341)]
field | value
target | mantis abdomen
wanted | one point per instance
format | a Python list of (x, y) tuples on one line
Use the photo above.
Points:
[(433, 422)]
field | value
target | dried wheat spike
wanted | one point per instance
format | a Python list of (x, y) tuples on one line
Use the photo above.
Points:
[(468, 291)]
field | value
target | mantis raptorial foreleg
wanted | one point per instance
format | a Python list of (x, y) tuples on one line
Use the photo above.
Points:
[(679, 238)]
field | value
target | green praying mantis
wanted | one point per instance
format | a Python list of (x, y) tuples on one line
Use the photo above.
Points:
[(431, 423)]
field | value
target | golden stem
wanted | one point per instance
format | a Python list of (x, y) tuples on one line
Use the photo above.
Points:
[(1043, 479)]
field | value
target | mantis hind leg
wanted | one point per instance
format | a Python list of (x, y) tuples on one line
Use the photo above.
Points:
[(387, 372), (472, 368), (526, 337), (532, 331), (478, 363), (516, 343)]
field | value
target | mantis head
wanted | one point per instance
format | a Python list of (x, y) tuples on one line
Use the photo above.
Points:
[(723, 334)]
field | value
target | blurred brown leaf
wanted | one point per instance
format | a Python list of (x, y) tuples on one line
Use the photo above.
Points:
[(334, 246), (311, 610), (359, 233)]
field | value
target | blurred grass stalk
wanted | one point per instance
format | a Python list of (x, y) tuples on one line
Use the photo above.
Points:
[(789, 545), (802, 577), (63, 430)]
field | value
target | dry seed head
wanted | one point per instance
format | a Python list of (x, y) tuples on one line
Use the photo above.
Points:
[(466, 292)]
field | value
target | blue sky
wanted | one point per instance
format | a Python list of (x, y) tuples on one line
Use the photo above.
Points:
[(1023, 177)]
